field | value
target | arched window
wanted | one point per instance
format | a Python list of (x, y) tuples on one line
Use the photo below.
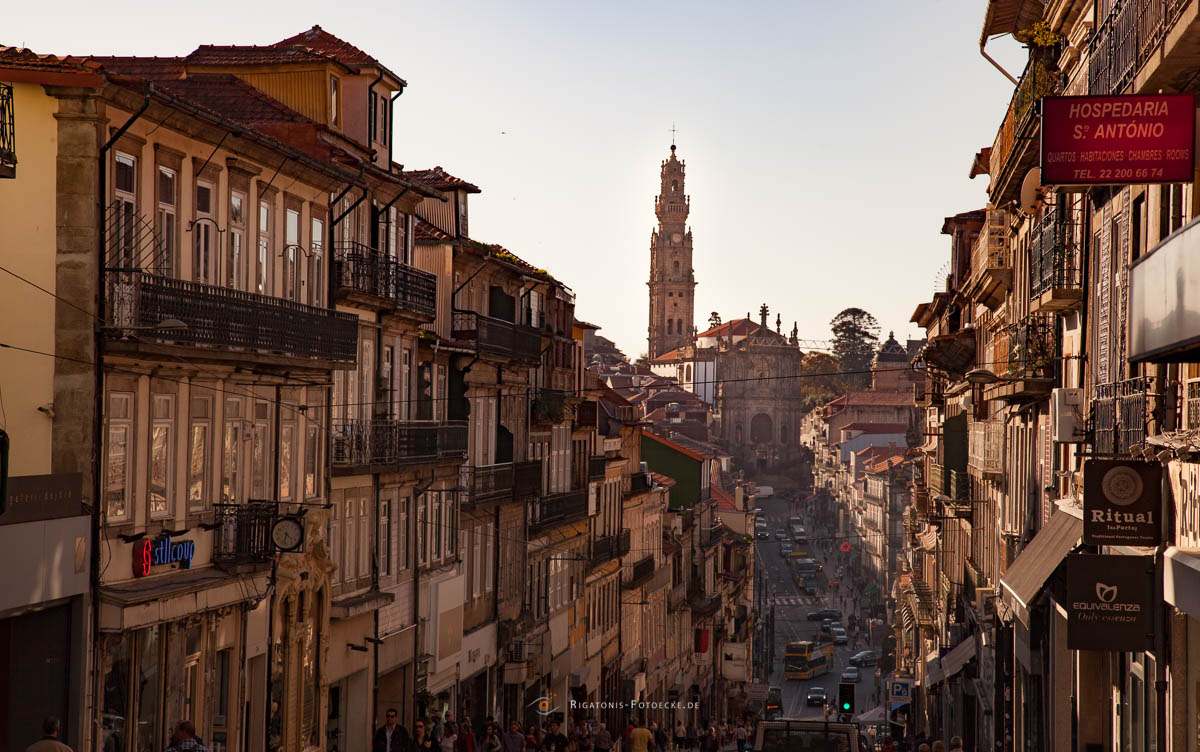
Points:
[(676, 267), (670, 325), (689, 374), (674, 185), (737, 434), (679, 326), (761, 429)]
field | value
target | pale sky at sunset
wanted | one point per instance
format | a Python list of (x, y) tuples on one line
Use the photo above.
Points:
[(824, 141)]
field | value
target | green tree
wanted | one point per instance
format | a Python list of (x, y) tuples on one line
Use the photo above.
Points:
[(821, 380), (855, 340)]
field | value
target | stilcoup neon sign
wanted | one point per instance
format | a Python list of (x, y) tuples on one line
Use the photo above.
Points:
[(153, 553)]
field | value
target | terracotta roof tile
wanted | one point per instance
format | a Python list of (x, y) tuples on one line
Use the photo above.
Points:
[(322, 42), (669, 357), (877, 427), (213, 54), (886, 399), (426, 231), (152, 68), (233, 98), (440, 179), (24, 59), (739, 327)]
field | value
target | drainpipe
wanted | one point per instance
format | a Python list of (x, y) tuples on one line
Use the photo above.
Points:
[(391, 122), (983, 43), (98, 385), (373, 121)]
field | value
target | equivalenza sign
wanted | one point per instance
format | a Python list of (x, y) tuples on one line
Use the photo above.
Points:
[(1122, 501), (1110, 602), (1118, 139)]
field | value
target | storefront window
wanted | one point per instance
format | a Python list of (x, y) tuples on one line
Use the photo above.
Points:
[(147, 690), (114, 726)]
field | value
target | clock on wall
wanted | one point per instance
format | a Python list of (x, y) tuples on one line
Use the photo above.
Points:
[(287, 534), (676, 238)]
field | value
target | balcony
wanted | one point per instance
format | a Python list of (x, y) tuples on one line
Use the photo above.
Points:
[(224, 319), (986, 454), (937, 478), (548, 406), (243, 534), (1025, 354), (596, 467), (8, 138), (1132, 35), (1055, 275), (637, 483), (703, 605), (640, 573), (527, 480), (488, 482), (991, 262), (1120, 412), (960, 492), (585, 415), (1016, 147), (557, 509), (497, 338), (609, 547), (927, 393), (366, 444), (364, 275)]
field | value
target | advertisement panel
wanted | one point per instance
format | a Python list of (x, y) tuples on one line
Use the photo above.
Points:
[(1107, 140), (1122, 501), (1110, 602)]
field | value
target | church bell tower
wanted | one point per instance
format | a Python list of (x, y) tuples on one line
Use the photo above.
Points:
[(672, 283)]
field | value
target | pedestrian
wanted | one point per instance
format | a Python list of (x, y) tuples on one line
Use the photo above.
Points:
[(693, 736), (421, 741), (710, 743), (660, 737), (49, 741), (491, 739), (466, 737), (184, 739), (514, 739), (680, 735), (938, 746), (603, 740), (391, 736), (956, 744), (449, 738), (923, 748), (640, 739), (741, 736), (554, 741)]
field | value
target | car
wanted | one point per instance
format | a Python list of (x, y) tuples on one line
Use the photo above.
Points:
[(785, 549), (823, 614), (762, 533), (850, 674), (839, 636), (864, 658), (780, 535), (816, 696)]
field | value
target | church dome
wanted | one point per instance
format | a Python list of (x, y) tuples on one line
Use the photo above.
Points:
[(892, 351)]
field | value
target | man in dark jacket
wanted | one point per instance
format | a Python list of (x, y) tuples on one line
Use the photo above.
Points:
[(391, 736)]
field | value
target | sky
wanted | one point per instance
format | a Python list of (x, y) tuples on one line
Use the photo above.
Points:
[(825, 142)]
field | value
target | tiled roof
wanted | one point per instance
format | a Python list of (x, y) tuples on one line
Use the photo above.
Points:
[(674, 445), (440, 179), (233, 98), (426, 231), (320, 41), (725, 502), (213, 54), (26, 60), (153, 68), (665, 481), (877, 427), (738, 327), (501, 253)]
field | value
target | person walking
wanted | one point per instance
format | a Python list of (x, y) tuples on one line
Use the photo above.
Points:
[(184, 739), (660, 736), (741, 736), (640, 739), (693, 736), (680, 736), (49, 741), (466, 737), (938, 746), (710, 743), (554, 740), (514, 739), (391, 736), (422, 741), (956, 744), (602, 740), (449, 740), (491, 739)]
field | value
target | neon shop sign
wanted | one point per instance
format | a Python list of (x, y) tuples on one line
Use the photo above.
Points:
[(148, 554)]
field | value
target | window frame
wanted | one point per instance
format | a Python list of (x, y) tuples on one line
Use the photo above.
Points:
[(261, 283), (234, 256), (167, 426), (204, 267), (127, 424), (167, 221), (203, 421)]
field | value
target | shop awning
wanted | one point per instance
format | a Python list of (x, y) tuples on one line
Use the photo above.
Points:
[(147, 601), (874, 715), (1009, 16), (933, 672), (959, 656), (1181, 581), (1025, 578), (357, 605)]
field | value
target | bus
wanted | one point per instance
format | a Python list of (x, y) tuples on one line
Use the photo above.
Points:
[(806, 659), (805, 571), (774, 707)]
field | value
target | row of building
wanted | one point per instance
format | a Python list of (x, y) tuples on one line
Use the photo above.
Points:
[(1046, 570), (286, 446)]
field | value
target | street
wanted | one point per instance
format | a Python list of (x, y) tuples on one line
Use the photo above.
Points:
[(792, 608)]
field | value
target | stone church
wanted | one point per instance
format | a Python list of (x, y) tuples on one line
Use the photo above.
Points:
[(672, 283)]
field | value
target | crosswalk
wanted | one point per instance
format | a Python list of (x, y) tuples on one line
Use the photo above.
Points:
[(795, 600)]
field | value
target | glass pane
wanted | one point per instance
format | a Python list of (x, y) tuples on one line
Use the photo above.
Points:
[(258, 463), (233, 264), (197, 465), (114, 720), (237, 208), (293, 227), (147, 688), (118, 472), (125, 178), (160, 459), (310, 462), (232, 462), (166, 187), (203, 199), (287, 440)]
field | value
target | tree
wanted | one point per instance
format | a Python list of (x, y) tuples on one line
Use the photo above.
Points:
[(820, 381), (855, 340)]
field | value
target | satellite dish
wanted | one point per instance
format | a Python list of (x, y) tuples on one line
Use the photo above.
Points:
[(1031, 190)]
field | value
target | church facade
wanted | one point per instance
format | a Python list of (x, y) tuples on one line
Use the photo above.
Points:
[(672, 283)]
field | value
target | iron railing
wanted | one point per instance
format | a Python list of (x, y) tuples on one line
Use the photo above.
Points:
[(8, 133), (1119, 416), (937, 478), (384, 442), (488, 482), (219, 317), (960, 486), (585, 414), (362, 269), (557, 509), (499, 338), (1126, 39), (1036, 82), (604, 549), (641, 571), (1031, 344), (638, 483), (243, 532), (1054, 253)]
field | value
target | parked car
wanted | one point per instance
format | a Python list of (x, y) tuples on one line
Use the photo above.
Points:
[(864, 658), (850, 674), (823, 614), (839, 636), (785, 549), (780, 535), (816, 696), (762, 533)]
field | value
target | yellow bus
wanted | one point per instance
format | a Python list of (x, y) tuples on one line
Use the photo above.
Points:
[(805, 659)]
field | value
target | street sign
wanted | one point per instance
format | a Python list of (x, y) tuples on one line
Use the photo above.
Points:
[(757, 692), (899, 690), (1122, 500), (1110, 602)]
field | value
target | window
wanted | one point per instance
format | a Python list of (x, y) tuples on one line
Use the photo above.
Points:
[(402, 540), (676, 267), (439, 399), (364, 539), (436, 532), (311, 455), (260, 451), (488, 553), (422, 532), (316, 263), (403, 233), (451, 538), (119, 440), (221, 690), (168, 224), (262, 263), (366, 372), (124, 234), (1171, 209), (203, 230), (348, 532), (161, 454), (392, 235), (198, 452), (385, 537), (291, 271), (386, 385), (335, 543), (382, 113), (231, 451), (670, 326), (234, 256), (404, 390), (334, 105), (476, 553), (287, 450)]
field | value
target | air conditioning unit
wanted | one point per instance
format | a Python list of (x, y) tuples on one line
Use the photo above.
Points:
[(516, 652), (1068, 416)]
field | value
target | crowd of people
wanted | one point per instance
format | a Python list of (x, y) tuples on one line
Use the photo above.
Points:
[(440, 733)]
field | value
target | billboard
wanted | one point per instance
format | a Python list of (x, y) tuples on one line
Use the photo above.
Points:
[(1122, 503), (1110, 602), (1107, 140)]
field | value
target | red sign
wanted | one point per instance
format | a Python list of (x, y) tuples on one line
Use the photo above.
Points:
[(1116, 140)]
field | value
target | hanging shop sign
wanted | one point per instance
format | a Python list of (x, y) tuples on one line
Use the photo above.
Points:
[(1118, 139), (163, 551), (1122, 503), (1110, 602)]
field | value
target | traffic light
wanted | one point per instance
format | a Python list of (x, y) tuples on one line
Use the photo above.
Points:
[(846, 697)]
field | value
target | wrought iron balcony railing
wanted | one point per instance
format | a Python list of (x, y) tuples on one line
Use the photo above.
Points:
[(1036, 82), (557, 509), (488, 482), (8, 134), (585, 414), (243, 533), (1120, 412), (960, 486), (991, 261), (548, 406), (604, 549), (1126, 39), (361, 270), (1031, 345), (637, 483), (640, 572), (1055, 273), (218, 317), (360, 443), (937, 478), (499, 338)]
